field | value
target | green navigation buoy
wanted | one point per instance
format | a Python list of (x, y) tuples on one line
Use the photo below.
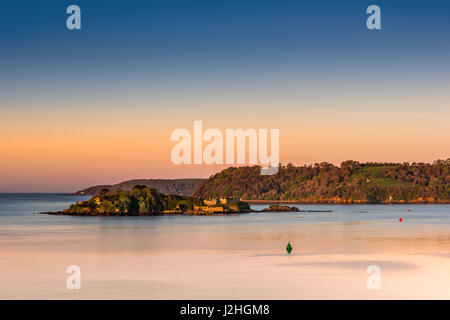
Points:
[(289, 248)]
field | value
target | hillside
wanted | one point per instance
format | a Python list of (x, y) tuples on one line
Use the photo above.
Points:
[(181, 187), (351, 182)]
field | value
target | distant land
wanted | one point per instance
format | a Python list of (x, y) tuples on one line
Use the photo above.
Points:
[(351, 182), (180, 187)]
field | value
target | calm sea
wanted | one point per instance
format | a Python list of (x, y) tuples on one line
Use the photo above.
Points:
[(19, 209), (224, 257), (18, 220)]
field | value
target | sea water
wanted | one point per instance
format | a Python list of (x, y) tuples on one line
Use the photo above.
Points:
[(225, 256)]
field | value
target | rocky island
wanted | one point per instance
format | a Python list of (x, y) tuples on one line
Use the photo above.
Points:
[(280, 208), (144, 201)]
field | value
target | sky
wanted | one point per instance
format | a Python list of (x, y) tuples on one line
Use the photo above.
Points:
[(98, 105)]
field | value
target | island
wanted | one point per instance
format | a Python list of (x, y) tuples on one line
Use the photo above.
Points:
[(144, 201), (280, 208)]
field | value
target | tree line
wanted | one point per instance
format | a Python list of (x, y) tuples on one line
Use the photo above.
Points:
[(351, 182)]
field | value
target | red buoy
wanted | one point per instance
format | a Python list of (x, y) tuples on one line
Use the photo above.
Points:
[(400, 220)]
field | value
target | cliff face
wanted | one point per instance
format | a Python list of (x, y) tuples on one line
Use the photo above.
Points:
[(181, 187), (351, 182)]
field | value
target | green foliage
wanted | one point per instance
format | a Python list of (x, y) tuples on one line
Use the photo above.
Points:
[(351, 182), (139, 201)]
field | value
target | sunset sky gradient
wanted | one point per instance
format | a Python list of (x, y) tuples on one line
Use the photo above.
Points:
[(97, 106)]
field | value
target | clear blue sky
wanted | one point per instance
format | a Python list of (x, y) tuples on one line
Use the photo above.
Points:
[(123, 43)]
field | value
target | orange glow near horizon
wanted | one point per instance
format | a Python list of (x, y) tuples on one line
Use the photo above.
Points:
[(50, 149)]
